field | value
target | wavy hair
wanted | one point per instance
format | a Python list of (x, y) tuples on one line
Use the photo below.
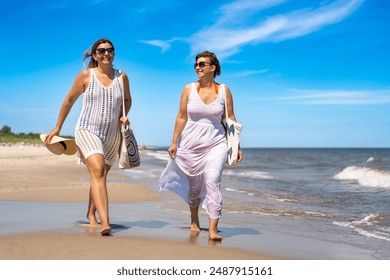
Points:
[(88, 53)]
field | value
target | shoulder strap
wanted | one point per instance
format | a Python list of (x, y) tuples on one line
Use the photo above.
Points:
[(121, 81), (224, 97), (91, 73), (121, 88)]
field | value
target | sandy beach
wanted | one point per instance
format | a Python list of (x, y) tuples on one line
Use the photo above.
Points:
[(43, 200)]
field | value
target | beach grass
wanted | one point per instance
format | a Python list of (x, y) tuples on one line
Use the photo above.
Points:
[(7, 137), (17, 139)]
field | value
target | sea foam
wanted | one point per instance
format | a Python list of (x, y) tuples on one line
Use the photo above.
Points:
[(368, 227), (364, 176), (249, 174), (160, 155)]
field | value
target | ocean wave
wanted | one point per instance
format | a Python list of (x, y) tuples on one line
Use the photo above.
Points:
[(281, 199), (239, 191), (375, 160), (249, 174), (138, 173), (277, 213), (371, 159), (365, 176), (369, 226), (160, 155)]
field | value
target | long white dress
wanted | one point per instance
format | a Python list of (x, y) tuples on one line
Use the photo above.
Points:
[(195, 173)]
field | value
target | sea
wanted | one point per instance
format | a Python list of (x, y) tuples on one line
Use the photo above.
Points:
[(338, 196)]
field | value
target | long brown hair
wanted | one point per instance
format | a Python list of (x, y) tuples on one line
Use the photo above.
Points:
[(92, 62)]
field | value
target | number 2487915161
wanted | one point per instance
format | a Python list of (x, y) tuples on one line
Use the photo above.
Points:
[(237, 270)]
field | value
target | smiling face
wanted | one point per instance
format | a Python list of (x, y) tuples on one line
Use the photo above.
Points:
[(210, 62), (104, 54), (204, 68)]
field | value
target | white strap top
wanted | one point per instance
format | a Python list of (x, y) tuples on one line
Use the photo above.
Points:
[(101, 109)]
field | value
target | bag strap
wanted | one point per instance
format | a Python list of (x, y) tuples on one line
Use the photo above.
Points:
[(226, 110), (122, 92)]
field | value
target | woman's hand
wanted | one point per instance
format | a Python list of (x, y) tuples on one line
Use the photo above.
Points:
[(240, 155), (125, 121), (51, 134), (172, 151)]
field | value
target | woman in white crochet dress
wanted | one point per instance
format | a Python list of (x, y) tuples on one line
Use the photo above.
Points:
[(199, 149), (97, 132)]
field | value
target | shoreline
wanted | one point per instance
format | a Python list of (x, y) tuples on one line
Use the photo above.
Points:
[(45, 235), (45, 197)]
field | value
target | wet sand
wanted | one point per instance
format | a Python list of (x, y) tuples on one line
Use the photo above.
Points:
[(43, 201)]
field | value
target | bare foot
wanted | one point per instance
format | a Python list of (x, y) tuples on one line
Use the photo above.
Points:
[(213, 230), (195, 227), (193, 236), (92, 220), (105, 231), (214, 236), (91, 230)]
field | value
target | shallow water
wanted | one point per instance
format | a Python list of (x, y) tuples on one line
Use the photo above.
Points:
[(291, 203), (326, 195)]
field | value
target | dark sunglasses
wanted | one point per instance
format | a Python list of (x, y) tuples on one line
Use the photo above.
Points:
[(102, 51), (201, 64)]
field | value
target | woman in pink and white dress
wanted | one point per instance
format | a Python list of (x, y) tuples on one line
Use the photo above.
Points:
[(199, 149)]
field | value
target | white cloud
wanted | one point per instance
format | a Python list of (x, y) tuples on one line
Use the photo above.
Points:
[(237, 26), (339, 97), (226, 38), (165, 45), (232, 13)]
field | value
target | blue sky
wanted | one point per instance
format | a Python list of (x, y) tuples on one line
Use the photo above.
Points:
[(302, 73)]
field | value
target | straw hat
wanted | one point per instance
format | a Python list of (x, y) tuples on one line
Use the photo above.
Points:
[(59, 145)]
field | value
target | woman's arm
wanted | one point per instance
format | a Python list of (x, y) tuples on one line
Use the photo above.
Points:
[(79, 85), (230, 109), (128, 100), (229, 103), (181, 120)]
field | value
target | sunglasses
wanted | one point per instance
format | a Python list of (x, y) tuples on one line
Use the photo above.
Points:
[(201, 64), (102, 51)]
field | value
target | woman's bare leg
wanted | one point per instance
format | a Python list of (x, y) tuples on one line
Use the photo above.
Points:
[(99, 198), (195, 226), (213, 230), (91, 210), (91, 213)]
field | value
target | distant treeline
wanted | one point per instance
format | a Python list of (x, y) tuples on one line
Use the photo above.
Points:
[(7, 136)]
